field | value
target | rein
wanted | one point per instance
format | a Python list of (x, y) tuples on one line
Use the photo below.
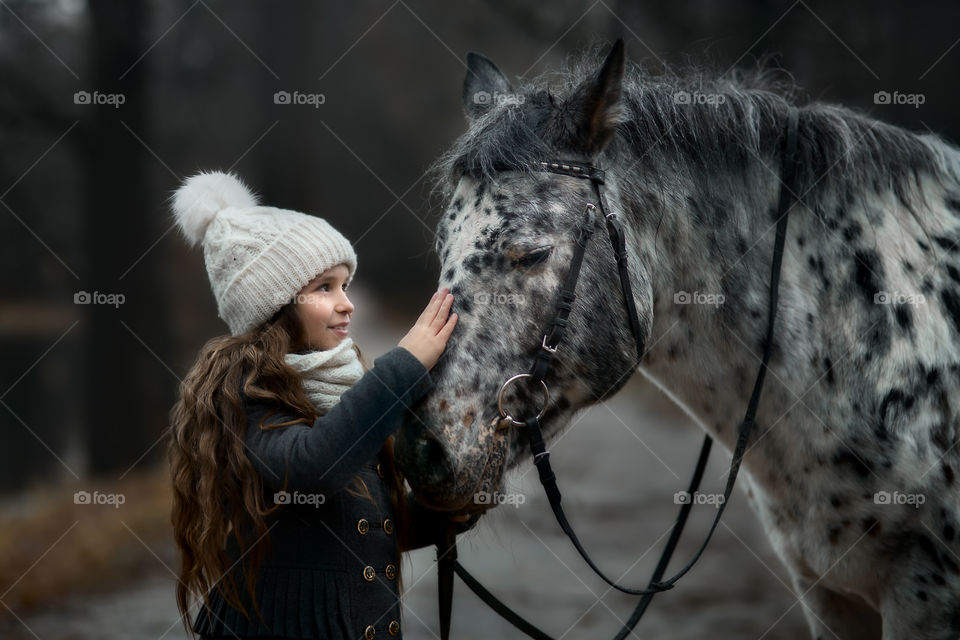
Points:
[(446, 548)]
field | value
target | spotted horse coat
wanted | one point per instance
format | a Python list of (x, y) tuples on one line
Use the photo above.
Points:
[(852, 466)]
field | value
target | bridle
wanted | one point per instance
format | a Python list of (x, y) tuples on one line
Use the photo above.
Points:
[(446, 548)]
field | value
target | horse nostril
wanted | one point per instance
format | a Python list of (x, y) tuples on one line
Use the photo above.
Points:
[(428, 452), (422, 454)]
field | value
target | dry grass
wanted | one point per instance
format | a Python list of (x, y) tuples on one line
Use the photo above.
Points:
[(51, 547)]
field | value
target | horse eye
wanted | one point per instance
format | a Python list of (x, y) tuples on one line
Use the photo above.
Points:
[(534, 257)]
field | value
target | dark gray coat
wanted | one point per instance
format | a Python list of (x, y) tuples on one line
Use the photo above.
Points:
[(331, 567)]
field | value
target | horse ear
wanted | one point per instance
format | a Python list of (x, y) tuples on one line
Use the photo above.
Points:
[(593, 111), (481, 84)]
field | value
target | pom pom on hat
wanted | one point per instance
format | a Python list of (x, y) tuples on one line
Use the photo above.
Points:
[(203, 196)]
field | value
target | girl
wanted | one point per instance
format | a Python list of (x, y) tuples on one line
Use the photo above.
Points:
[(288, 512)]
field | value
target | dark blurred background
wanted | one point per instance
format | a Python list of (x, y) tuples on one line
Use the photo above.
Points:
[(106, 106)]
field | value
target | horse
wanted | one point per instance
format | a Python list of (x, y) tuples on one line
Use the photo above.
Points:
[(851, 467)]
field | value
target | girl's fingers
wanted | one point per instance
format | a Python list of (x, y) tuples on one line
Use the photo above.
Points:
[(430, 311), (451, 323), (438, 297), (444, 310)]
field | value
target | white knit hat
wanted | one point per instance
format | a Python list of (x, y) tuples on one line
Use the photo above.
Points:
[(258, 258)]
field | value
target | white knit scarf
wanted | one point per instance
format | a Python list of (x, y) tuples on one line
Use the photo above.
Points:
[(327, 374)]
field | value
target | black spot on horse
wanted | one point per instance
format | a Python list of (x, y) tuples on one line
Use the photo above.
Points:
[(951, 303), (448, 274), (904, 318), (846, 457), (851, 232), (895, 398), (876, 335), (868, 272), (952, 270), (505, 213), (946, 243), (462, 304), (941, 436), (953, 204), (927, 546), (472, 264)]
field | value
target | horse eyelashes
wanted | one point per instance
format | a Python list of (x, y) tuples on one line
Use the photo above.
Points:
[(533, 258)]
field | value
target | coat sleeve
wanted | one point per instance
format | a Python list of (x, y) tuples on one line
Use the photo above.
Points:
[(425, 525), (323, 457)]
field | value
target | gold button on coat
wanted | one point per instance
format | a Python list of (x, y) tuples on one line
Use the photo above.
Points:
[(369, 632), (393, 628), (368, 573), (379, 469), (388, 526), (390, 571), (363, 525)]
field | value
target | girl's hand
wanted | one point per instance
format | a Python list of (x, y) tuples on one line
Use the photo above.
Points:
[(428, 337)]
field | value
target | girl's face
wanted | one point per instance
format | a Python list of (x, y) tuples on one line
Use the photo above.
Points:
[(323, 308)]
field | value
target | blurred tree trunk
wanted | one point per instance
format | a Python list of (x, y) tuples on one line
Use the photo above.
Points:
[(124, 408)]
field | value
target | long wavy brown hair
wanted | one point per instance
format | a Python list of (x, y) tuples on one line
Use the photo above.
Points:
[(217, 493)]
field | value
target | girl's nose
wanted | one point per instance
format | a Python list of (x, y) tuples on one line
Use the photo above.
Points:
[(345, 305)]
